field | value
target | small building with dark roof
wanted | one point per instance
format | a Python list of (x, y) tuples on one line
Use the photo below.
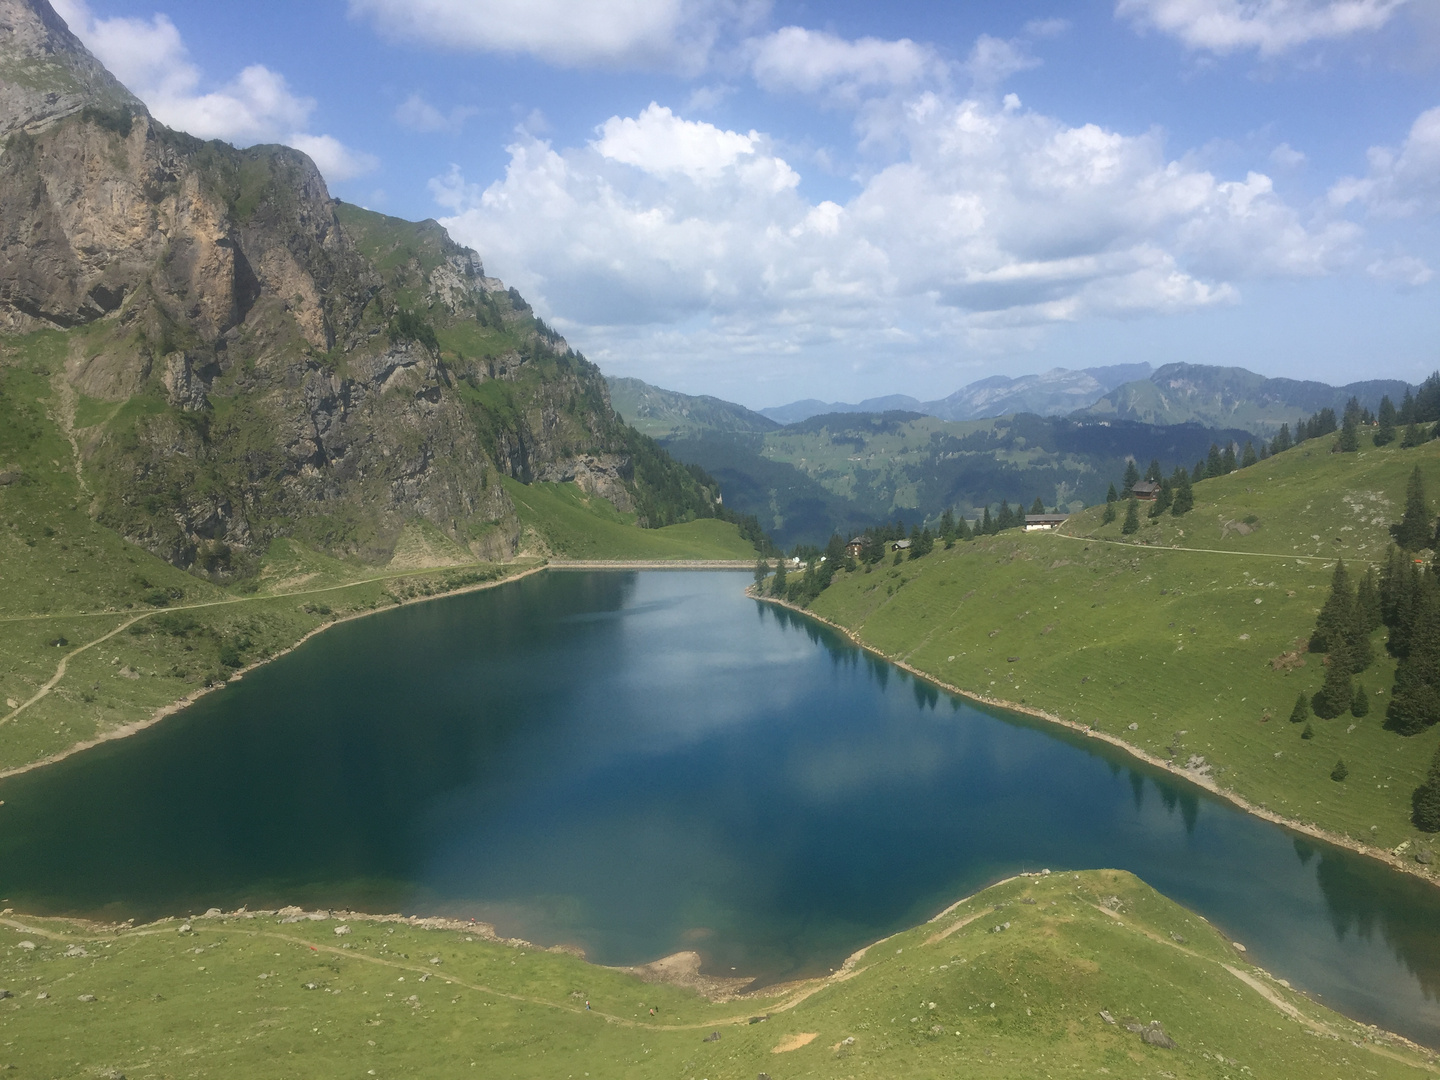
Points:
[(1146, 490), (1039, 522)]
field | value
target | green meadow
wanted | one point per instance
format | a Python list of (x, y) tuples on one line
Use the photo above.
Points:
[(1186, 640), (1021, 980)]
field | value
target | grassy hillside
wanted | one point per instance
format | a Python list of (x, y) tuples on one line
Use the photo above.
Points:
[(1174, 643), (1015, 981), (561, 520), (665, 413)]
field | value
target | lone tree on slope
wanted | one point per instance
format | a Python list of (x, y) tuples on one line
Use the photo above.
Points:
[(1413, 533), (1132, 517)]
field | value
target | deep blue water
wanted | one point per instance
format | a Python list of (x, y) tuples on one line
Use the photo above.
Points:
[(642, 762)]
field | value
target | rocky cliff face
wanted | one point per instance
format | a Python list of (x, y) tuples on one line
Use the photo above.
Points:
[(276, 363)]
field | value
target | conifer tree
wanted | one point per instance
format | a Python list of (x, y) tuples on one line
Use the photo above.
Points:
[(963, 530), (1131, 523), (1132, 477), (1301, 712), (1111, 496), (1281, 442), (1360, 703), (762, 571), (1248, 458), (947, 527), (1335, 696), (1201, 471), (1340, 772), (1109, 515), (1414, 532), (1337, 614), (1309, 732), (1367, 603), (1037, 507), (1425, 803), (1415, 699), (777, 585), (1163, 499), (986, 525), (1214, 466), (1227, 459), (1412, 437), (1406, 415), (1409, 602), (1392, 580), (1184, 492), (1385, 427), (1153, 473), (1349, 440)]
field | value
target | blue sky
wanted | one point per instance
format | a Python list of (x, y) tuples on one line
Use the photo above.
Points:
[(767, 201)]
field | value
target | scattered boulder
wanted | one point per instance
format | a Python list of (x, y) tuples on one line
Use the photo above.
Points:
[(714, 1036), (28, 946), (1106, 1017), (76, 950), (87, 997), (1180, 938), (1153, 1034), (1423, 854), (340, 931)]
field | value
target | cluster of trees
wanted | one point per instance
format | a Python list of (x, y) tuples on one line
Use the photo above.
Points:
[(1405, 600), (1176, 495)]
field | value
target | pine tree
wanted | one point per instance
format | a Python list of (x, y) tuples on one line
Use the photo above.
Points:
[(1337, 614), (1111, 496), (1335, 696), (1425, 803), (1385, 429), (1153, 473), (1410, 596), (1163, 499), (1213, 464), (1301, 712), (1340, 772), (1109, 515), (1281, 442), (777, 586), (1309, 732), (1412, 437), (1349, 434), (1414, 533), (1367, 602), (762, 571), (1037, 507), (1415, 699), (1132, 477), (1360, 703), (1249, 457), (963, 530), (1227, 459), (1184, 492), (1406, 415), (1132, 517), (1199, 473)]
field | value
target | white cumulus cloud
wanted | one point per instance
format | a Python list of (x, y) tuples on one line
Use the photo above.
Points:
[(665, 242), (1269, 27), (815, 62), (149, 56), (1401, 182), (572, 33)]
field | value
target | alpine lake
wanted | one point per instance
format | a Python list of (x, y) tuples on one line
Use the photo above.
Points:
[(640, 762)]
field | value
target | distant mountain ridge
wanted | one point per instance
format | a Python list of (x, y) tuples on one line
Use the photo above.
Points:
[(1057, 392), (1232, 397), (663, 413)]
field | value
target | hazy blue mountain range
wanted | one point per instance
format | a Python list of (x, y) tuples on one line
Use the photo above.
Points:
[(665, 413), (1055, 393), (1232, 397)]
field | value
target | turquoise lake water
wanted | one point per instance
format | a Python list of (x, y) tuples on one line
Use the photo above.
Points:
[(642, 762)]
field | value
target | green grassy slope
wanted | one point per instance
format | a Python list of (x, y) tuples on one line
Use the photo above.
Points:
[(565, 522), (1170, 649), (261, 996)]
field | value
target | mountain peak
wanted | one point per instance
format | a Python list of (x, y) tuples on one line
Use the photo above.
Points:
[(46, 72)]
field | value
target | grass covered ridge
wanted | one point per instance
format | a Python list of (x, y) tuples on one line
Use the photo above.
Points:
[(1187, 644), (280, 995)]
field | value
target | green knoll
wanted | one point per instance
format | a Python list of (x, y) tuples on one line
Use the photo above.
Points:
[(1186, 641), (1022, 979)]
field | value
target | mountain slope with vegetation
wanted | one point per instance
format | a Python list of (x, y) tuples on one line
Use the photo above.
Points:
[(1041, 975), (1232, 397), (1188, 639)]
